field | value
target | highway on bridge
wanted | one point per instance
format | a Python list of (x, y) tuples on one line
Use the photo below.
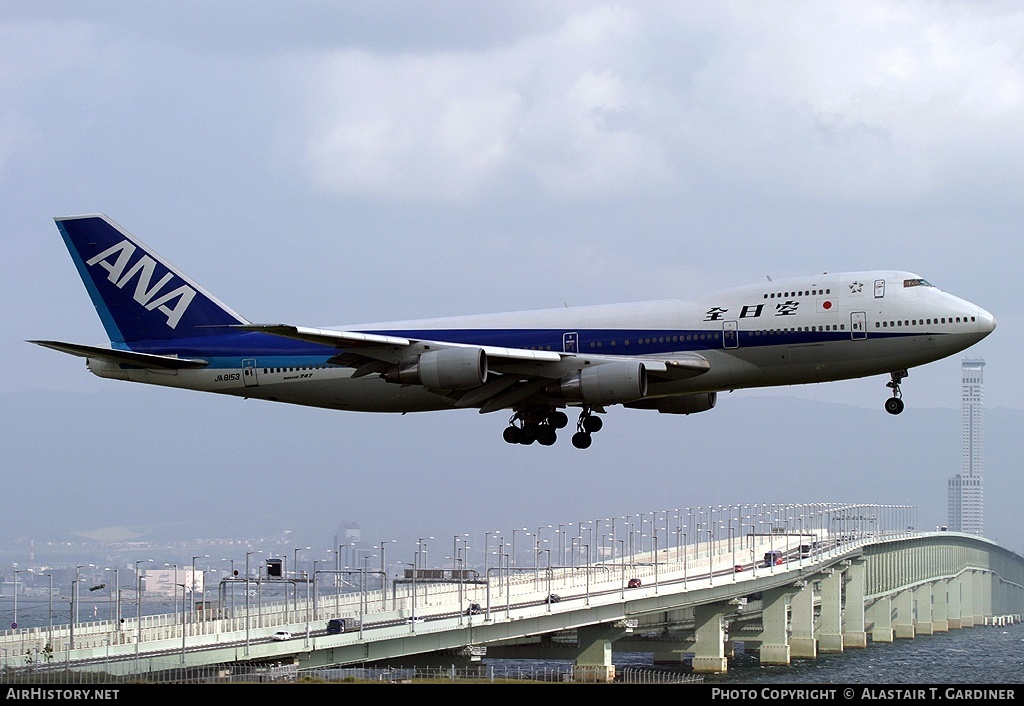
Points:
[(785, 594)]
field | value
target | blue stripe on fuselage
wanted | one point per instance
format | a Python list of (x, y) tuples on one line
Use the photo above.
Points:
[(632, 342)]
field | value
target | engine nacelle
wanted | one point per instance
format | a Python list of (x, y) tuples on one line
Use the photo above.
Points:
[(608, 383), (447, 369), (680, 404)]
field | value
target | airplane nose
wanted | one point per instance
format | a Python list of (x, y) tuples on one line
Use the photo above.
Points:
[(986, 322)]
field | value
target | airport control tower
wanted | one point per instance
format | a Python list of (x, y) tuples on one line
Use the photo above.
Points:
[(966, 490)]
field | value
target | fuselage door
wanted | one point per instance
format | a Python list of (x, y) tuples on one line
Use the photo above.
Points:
[(249, 372), (570, 342), (879, 288), (730, 337), (858, 325)]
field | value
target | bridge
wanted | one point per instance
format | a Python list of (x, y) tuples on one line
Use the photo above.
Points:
[(786, 592)]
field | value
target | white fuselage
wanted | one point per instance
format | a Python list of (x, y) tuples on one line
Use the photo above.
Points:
[(794, 331)]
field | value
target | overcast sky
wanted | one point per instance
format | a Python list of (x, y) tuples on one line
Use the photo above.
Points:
[(324, 163)]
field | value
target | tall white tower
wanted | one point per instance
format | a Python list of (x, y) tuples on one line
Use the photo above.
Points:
[(966, 490)]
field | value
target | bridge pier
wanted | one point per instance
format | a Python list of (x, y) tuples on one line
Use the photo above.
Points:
[(594, 662), (903, 625), (802, 642), (775, 631), (854, 626), (923, 603), (709, 646), (880, 615), (983, 589), (954, 607), (940, 596), (830, 627), (968, 599)]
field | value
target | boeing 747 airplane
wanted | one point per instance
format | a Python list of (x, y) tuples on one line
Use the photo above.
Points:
[(672, 356)]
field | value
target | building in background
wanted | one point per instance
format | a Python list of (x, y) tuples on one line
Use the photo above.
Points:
[(966, 489), (169, 582)]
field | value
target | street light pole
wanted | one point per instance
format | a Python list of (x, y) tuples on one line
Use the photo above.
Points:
[(74, 602), (182, 621), (295, 570), (487, 536), (384, 574), (49, 638), (192, 590), (455, 551), (364, 588), (14, 622), (423, 543), (247, 554), (138, 609)]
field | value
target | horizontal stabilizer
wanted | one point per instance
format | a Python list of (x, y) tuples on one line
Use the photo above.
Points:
[(142, 360)]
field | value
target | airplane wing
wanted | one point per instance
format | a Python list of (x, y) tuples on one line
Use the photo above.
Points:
[(391, 349), (516, 373), (142, 360)]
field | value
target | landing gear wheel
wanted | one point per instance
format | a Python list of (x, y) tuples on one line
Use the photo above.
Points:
[(581, 440), (592, 424), (511, 435), (546, 435), (558, 419), (894, 405)]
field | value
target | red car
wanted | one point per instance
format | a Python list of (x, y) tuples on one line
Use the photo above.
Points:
[(634, 583)]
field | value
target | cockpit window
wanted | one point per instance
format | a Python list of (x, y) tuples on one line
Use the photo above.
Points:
[(916, 283)]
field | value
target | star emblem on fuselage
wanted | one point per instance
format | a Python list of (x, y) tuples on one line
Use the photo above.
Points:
[(856, 287)]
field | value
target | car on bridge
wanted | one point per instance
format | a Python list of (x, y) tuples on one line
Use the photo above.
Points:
[(282, 635), (634, 583)]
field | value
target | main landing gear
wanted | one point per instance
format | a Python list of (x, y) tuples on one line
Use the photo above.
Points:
[(588, 424), (894, 405), (535, 424), (541, 424)]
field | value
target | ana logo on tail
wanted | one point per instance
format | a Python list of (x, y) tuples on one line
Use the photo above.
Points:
[(115, 260)]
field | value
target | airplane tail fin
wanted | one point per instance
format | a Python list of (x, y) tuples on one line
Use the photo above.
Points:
[(138, 295)]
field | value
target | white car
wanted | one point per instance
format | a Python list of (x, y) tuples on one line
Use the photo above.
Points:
[(282, 635), (416, 619)]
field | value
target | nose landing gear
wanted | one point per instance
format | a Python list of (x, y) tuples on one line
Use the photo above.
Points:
[(894, 405)]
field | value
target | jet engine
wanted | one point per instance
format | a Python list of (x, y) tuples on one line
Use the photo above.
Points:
[(446, 369), (608, 383), (679, 404)]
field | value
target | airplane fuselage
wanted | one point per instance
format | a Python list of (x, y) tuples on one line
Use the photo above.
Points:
[(786, 332)]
